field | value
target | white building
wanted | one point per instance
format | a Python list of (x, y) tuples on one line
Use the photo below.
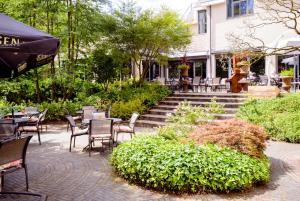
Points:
[(212, 21)]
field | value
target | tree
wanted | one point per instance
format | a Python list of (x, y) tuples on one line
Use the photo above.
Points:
[(104, 66), (145, 35), (282, 12)]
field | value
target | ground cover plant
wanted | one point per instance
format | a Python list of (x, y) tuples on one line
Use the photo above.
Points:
[(168, 165), (279, 117)]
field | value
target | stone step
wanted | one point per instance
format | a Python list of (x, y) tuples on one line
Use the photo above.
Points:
[(163, 118), (149, 124), (202, 104), (205, 99), (221, 95), (159, 109)]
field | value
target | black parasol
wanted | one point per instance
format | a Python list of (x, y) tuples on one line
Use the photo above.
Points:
[(23, 47)]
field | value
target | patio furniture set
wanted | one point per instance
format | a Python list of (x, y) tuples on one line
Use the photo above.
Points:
[(99, 126), (197, 84)]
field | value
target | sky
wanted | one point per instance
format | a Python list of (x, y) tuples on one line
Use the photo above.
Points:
[(177, 5)]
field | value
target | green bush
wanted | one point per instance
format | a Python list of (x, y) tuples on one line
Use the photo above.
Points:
[(165, 165), (280, 116), (124, 110), (189, 115), (58, 110)]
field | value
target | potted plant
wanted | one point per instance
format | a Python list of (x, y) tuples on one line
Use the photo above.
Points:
[(287, 76), (244, 66), (184, 68)]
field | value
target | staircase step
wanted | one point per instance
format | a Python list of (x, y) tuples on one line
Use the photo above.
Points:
[(160, 109), (152, 117), (226, 105), (221, 95), (149, 124), (205, 99)]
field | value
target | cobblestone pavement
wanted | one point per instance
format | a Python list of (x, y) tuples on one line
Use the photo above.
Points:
[(62, 175)]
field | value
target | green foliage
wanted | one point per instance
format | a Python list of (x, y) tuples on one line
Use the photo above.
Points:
[(165, 165), (145, 35), (58, 110), (183, 67), (175, 131), (288, 72), (280, 116), (214, 107), (137, 99), (188, 114)]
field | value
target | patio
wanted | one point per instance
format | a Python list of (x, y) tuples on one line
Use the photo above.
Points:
[(62, 175)]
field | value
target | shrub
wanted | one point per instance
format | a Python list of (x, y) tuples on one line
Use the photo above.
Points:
[(124, 110), (236, 134), (165, 165), (278, 116), (58, 110), (214, 107), (176, 132), (188, 114)]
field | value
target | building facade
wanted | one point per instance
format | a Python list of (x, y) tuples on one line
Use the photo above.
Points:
[(212, 24)]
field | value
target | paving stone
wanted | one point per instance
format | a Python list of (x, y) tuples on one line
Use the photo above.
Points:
[(66, 176)]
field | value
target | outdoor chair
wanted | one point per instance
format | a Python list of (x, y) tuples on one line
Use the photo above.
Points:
[(263, 80), (100, 130), (203, 84), (12, 157), (7, 128), (76, 131), (223, 84), (79, 117), (87, 115), (29, 110), (34, 125), (99, 115), (126, 126), (196, 84), (214, 84)]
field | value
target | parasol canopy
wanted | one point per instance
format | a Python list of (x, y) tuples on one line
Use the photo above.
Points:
[(23, 47)]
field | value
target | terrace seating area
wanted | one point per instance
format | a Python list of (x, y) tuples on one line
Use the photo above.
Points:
[(64, 175), (198, 84)]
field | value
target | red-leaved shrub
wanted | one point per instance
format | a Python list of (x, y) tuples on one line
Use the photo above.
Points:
[(236, 134)]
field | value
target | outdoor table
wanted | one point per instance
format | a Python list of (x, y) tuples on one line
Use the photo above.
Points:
[(21, 114)]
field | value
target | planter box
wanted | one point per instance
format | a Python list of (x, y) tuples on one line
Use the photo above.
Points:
[(263, 91)]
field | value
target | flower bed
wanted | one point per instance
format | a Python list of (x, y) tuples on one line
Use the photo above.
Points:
[(167, 165)]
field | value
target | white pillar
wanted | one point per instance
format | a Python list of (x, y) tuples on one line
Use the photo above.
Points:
[(271, 65), (213, 65), (208, 67)]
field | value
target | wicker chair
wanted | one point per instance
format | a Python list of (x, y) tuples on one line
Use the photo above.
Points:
[(34, 125), (76, 131), (100, 130), (126, 126), (12, 157)]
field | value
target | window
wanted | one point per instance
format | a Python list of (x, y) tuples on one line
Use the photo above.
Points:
[(202, 22), (239, 7)]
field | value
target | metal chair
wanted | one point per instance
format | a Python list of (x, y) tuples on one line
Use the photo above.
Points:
[(13, 157), (126, 126), (8, 128), (99, 115), (34, 125), (76, 131), (87, 115), (100, 130), (195, 84)]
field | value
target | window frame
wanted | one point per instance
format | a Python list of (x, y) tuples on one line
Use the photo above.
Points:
[(232, 3), (200, 22)]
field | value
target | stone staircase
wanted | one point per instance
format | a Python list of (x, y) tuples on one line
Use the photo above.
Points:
[(157, 115)]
